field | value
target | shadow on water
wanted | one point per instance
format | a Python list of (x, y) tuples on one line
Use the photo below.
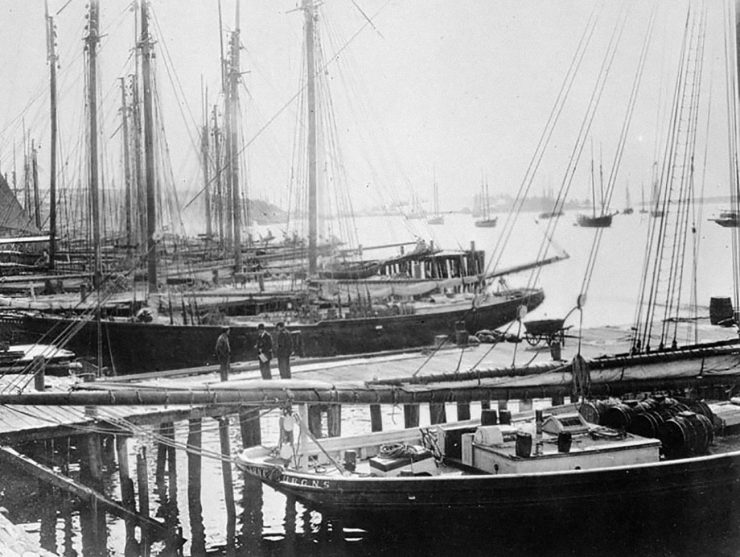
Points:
[(701, 525)]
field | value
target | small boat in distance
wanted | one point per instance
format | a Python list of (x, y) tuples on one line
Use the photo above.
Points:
[(436, 218), (628, 210), (728, 219), (487, 221), (602, 220)]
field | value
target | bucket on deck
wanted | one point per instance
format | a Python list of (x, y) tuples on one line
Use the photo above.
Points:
[(461, 333), (488, 417), (523, 444), (720, 311), (504, 417), (565, 438)]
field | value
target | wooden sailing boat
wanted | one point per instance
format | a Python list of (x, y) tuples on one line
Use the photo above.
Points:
[(628, 210), (137, 346), (602, 220), (436, 218), (487, 221)]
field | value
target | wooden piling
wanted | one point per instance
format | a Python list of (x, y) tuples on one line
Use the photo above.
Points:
[(39, 373), (142, 478), (249, 422), (376, 418), (223, 431), (195, 508), (92, 516), (410, 415), (334, 420), (437, 413), (127, 485)]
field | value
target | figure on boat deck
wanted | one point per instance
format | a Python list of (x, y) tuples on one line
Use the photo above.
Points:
[(223, 353), (283, 349), (264, 351)]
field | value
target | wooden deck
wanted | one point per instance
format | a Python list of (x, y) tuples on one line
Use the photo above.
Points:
[(41, 422)]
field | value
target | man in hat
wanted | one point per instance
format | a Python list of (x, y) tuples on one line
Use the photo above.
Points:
[(223, 352), (264, 351), (284, 349)]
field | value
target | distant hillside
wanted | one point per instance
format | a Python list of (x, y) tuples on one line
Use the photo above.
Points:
[(262, 212)]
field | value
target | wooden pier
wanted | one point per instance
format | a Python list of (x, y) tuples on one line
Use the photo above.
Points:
[(98, 419)]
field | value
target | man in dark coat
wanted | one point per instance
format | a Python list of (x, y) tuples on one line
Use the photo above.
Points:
[(284, 349), (264, 351), (223, 353)]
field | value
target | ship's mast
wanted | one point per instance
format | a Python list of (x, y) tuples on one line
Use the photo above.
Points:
[(233, 140), (53, 59), (219, 185), (126, 160), (145, 45), (308, 7), (92, 102), (204, 149)]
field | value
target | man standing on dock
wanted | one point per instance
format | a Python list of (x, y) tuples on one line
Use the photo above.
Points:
[(264, 351), (284, 349), (223, 353)]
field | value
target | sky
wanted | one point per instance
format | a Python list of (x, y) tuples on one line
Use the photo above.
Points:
[(431, 90)]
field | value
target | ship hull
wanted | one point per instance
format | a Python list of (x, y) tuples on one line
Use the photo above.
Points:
[(469, 498), (130, 347)]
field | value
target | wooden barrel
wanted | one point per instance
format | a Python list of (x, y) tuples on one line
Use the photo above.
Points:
[(675, 438), (720, 311), (618, 416)]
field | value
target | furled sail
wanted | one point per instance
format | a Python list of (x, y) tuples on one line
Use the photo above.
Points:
[(13, 219)]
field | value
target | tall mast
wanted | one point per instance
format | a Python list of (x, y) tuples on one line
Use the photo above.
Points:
[(219, 185), (35, 182), (53, 59), (206, 179), (233, 146), (126, 160), (151, 212), (308, 7), (92, 102)]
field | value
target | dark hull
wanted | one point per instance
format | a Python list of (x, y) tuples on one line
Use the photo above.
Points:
[(486, 223), (602, 221), (142, 347), (448, 499)]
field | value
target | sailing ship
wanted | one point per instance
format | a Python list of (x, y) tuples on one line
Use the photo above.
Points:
[(466, 471), (602, 220), (487, 221), (628, 210), (322, 328), (728, 219), (656, 451), (437, 218)]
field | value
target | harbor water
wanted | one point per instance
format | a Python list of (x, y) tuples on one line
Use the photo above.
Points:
[(268, 523)]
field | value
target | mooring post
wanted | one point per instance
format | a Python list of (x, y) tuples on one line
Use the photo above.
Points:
[(314, 419), (223, 431), (195, 508), (48, 518), (410, 415), (249, 422), (127, 485), (334, 420), (164, 432), (463, 410), (437, 413), (376, 418), (142, 479), (92, 517), (39, 373)]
